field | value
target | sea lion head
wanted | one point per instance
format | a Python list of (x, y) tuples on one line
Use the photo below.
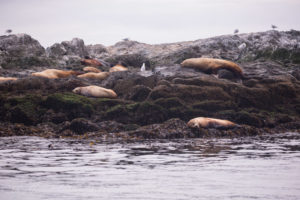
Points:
[(192, 124), (77, 90)]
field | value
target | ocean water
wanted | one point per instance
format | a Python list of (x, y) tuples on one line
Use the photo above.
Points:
[(261, 167)]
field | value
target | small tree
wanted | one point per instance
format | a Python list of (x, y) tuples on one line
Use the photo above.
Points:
[(8, 31)]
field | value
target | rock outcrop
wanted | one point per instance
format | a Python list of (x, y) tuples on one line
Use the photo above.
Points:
[(21, 51), (68, 52), (157, 104)]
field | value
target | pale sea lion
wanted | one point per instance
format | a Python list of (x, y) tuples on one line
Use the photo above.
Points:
[(93, 75), (95, 91), (5, 79), (118, 68), (55, 73), (91, 69), (212, 65), (204, 122)]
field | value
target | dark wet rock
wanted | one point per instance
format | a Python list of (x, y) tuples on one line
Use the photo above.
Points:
[(139, 113), (114, 127), (42, 85), (296, 74), (81, 126), (124, 83), (139, 93), (173, 128), (226, 74), (237, 132)]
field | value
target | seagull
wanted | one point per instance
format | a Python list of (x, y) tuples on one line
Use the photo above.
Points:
[(143, 68)]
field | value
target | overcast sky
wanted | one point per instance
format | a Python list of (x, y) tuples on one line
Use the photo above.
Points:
[(150, 21)]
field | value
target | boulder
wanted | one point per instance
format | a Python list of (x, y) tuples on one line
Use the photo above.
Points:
[(21, 51)]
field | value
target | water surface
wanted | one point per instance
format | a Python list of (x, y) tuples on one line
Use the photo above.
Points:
[(262, 167)]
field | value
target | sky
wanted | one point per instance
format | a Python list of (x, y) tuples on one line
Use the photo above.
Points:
[(149, 21)]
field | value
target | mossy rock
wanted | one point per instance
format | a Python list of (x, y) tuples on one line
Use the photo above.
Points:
[(24, 109), (103, 104), (26, 62), (281, 54), (75, 105), (241, 117), (265, 53), (139, 93), (295, 56), (189, 93), (252, 97), (116, 112), (169, 102), (140, 113), (244, 117), (214, 105), (149, 113)]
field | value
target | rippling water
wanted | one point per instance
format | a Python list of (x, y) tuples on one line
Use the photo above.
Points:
[(264, 167)]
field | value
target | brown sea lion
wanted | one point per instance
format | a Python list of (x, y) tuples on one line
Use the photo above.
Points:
[(204, 122), (95, 91), (118, 68), (93, 75), (91, 62), (91, 69), (212, 65), (55, 73), (5, 79)]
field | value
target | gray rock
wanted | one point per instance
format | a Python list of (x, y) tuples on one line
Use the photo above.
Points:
[(21, 51), (97, 50), (20, 45), (68, 52)]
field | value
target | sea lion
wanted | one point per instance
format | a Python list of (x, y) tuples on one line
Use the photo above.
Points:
[(5, 79), (204, 122), (95, 91), (212, 65), (55, 73), (91, 62), (93, 75), (91, 69), (118, 68)]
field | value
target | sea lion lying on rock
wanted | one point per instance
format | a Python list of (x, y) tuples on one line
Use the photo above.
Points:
[(91, 62), (91, 69), (95, 91), (93, 75), (204, 122), (212, 65), (4, 79), (118, 68), (55, 73)]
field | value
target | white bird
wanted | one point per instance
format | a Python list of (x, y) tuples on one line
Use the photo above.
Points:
[(242, 46), (143, 68)]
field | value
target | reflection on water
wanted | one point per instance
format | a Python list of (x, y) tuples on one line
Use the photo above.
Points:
[(263, 167)]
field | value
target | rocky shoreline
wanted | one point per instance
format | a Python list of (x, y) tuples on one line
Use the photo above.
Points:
[(155, 104)]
